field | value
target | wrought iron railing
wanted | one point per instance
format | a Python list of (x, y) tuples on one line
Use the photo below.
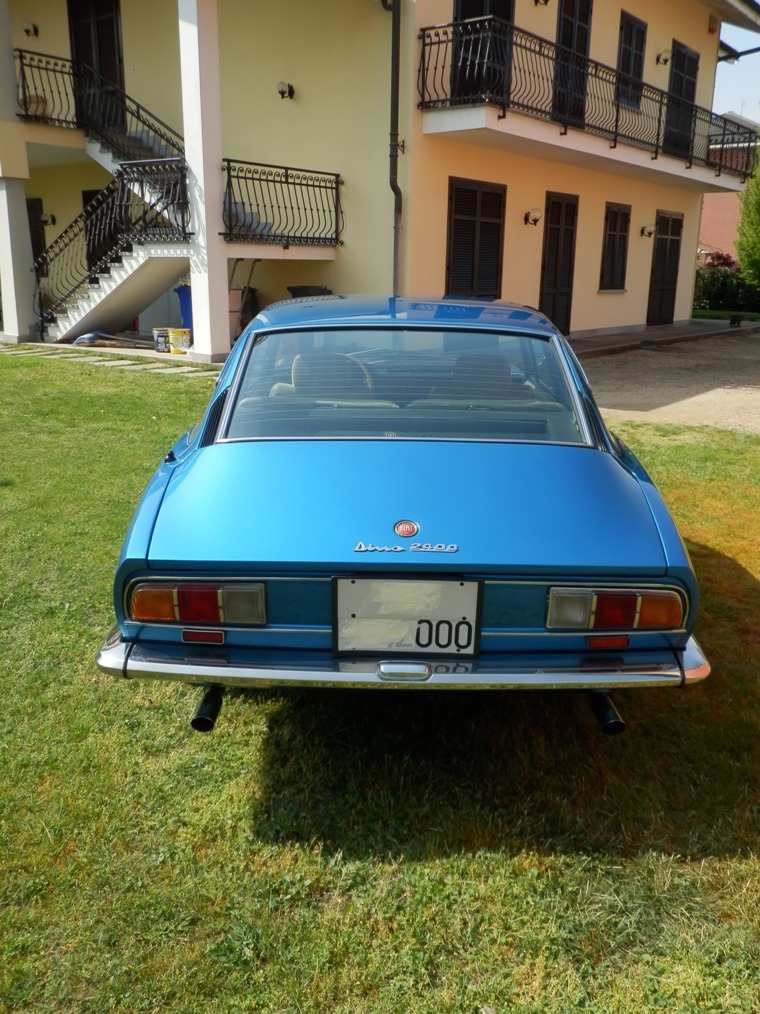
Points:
[(489, 61), (145, 202), (65, 93), (277, 204)]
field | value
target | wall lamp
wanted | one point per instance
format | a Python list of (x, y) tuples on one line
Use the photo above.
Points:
[(285, 90), (532, 217), (47, 219), (648, 230), (30, 29), (663, 57), (541, 3)]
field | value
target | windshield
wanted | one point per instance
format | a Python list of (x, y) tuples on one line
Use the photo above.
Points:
[(404, 383)]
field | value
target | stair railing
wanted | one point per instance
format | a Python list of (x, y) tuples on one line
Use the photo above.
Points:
[(145, 202), (66, 93)]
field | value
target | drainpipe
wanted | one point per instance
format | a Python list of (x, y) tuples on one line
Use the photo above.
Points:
[(396, 146)]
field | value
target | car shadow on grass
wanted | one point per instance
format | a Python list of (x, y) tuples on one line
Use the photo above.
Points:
[(415, 774)]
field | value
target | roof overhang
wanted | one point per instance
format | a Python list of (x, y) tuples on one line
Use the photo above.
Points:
[(742, 13)]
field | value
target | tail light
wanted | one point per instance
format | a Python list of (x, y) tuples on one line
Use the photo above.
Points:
[(204, 604), (614, 609)]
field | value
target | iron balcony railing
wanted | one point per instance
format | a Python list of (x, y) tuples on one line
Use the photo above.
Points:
[(145, 202), (66, 93), (489, 61), (280, 205)]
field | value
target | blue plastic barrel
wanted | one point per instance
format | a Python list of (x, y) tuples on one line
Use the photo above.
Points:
[(185, 305)]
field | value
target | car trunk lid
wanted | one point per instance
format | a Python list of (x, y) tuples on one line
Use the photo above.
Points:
[(332, 505)]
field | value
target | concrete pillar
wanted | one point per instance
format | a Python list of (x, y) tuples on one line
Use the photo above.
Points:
[(202, 116), (16, 277)]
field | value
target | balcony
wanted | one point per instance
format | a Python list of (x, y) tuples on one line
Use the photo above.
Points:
[(275, 205), (489, 62), (280, 205)]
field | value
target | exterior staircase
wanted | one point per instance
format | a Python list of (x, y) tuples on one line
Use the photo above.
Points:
[(130, 243), (111, 302), (126, 248)]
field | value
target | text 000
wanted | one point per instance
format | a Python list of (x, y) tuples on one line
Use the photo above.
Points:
[(445, 634)]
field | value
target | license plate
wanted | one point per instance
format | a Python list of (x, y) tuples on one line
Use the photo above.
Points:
[(407, 617)]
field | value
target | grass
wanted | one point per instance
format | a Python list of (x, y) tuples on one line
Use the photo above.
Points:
[(725, 314), (356, 852)]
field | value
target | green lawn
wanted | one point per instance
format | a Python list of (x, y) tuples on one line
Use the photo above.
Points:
[(333, 852)]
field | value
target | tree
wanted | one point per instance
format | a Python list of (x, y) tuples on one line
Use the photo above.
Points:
[(748, 237)]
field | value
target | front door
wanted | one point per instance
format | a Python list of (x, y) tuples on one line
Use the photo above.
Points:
[(95, 33), (663, 280), (558, 265), (571, 65), (682, 90)]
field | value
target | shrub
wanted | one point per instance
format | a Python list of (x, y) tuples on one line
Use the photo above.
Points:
[(721, 285)]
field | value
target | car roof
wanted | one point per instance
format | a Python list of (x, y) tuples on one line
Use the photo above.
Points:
[(324, 311)]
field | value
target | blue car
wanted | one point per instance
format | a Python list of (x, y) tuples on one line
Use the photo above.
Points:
[(389, 492)]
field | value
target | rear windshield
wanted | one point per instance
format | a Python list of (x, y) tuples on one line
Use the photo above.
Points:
[(398, 383)]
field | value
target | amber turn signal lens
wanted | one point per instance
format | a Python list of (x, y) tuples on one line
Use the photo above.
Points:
[(661, 610), (153, 604)]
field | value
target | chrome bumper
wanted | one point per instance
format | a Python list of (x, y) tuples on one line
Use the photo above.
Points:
[(235, 669)]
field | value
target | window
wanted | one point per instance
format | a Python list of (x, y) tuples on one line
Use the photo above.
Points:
[(475, 239), (466, 9), (617, 221), (428, 382), (633, 37)]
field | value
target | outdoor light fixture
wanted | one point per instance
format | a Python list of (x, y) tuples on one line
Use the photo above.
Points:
[(47, 219), (541, 3), (648, 230), (31, 29), (663, 57), (285, 90), (532, 217)]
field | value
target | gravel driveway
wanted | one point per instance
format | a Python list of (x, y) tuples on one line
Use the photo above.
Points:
[(707, 382)]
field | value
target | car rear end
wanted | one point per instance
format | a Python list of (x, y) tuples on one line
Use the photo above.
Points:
[(380, 503)]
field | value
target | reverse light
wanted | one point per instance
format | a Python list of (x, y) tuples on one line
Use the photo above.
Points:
[(614, 609), (204, 604)]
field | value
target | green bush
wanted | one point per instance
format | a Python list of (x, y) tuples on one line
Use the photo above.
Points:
[(721, 285)]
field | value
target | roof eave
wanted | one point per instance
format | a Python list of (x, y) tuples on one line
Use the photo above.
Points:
[(741, 13)]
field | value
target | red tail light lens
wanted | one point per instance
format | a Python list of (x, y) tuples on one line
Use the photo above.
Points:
[(198, 604), (207, 604), (615, 610)]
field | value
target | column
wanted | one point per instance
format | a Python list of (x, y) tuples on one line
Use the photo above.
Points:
[(201, 109), (16, 276)]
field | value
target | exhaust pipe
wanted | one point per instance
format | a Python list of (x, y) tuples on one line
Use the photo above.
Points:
[(205, 717), (607, 715)]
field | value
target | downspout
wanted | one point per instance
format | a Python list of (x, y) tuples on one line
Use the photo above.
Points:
[(396, 146)]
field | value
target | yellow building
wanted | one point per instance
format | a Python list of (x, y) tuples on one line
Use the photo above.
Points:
[(532, 150)]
